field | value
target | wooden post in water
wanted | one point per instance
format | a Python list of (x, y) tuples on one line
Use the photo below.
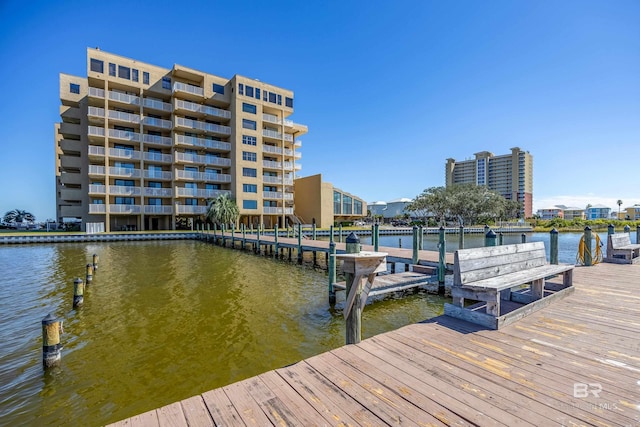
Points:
[(299, 243), (490, 238), (627, 229), (51, 348), (611, 229), (256, 249), (442, 265), (523, 238), (637, 234), (208, 231), (415, 246), (233, 236), (332, 272), (313, 231), (275, 239), (420, 238), (376, 234), (244, 235), (553, 251), (215, 229), (461, 238), (500, 238), (373, 235), (89, 274), (586, 249), (331, 234), (354, 318), (78, 292), (400, 242), (95, 262), (223, 229), (340, 232)]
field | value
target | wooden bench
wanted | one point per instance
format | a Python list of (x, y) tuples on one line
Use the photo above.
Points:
[(621, 251), (496, 276)]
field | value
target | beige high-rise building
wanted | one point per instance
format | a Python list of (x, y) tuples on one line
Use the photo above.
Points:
[(511, 175), (141, 147)]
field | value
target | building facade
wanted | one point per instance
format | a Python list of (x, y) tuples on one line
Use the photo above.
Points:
[(573, 213), (320, 203), (141, 147), (598, 212), (511, 175), (550, 213)]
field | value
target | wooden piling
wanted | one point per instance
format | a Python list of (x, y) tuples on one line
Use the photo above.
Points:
[(95, 260), (415, 247), (442, 265), (627, 229), (354, 318), (611, 229), (500, 238), (313, 231), (340, 232), (51, 348), (490, 238), (637, 233), (376, 234), (420, 238), (275, 239), (332, 272), (89, 274), (331, 234), (244, 236), (523, 238), (299, 243), (256, 248), (461, 238), (78, 292), (553, 246), (223, 229), (586, 249), (400, 242)]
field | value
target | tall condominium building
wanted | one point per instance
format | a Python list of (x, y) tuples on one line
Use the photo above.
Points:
[(510, 175), (141, 147)]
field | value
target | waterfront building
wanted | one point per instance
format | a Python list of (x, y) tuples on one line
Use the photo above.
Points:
[(377, 208), (573, 213), (511, 175), (142, 147), (598, 212), (550, 213), (390, 210), (321, 203), (631, 213)]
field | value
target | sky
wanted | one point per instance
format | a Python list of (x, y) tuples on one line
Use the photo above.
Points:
[(388, 90)]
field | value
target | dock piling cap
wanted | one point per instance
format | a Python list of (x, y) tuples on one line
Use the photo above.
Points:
[(49, 319), (352, 238), (491, 233)]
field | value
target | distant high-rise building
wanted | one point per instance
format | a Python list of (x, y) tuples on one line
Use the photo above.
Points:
[(511, 175), (141, 147)]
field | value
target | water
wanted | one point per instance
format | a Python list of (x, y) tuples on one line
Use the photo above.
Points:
[(162, 321)]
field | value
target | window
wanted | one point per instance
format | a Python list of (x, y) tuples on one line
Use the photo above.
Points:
[(124, 165), (154, 201), (112, 69), (346, 205), (145, 77), (97, 202), (248, 108), (218, 89), (272, 97), (249, 91), (357, 207), (248, 140), (264, 95), (249, 188), (279, 99), (191, 202), (337, 203), (212, 186), (257, 93), (248, 156), (124, 72), (240, 89), (134, 75), (74, 88), (97, 65), (124, 201), (249, 172), (249, 124), (166, 83), (154, 184), (288, 102), (250, 204), (124, 183)]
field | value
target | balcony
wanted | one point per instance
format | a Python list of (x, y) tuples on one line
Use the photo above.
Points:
[(268, 164), (124, 172), (94, 112), (192, 141), (216, 177), (268, 133), (202, 176), (96, 170), (120, 153), (276, 195), (95, 208), (189, 124), (187, 88), (157, 157), (199, 192), (268, 210), (124, 98), (95, 133), (155, 122), (95, 151), (202, 109), (124, 209), (123, 190), (96, 189), (276, 180), (156, 104), (277, 150), (95, 92), (207, 160), (124, 135), (158, 192), (157, 140), (120, 116), (158, 209), (192, 210), (70, 130), (155, 174)]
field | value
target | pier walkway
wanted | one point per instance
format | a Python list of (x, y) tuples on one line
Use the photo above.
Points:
[(575, 362)]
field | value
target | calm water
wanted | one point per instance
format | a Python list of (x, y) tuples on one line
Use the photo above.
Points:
[(161, 322)]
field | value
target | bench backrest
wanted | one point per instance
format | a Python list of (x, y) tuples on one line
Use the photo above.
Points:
[(619, 239), (475, 264)]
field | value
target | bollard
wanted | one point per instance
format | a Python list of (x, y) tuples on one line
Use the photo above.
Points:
[(415, 247), (51, 348), (89, 275), (523, 238), (340, 232), (78, 292), (461, 238), (300, 255), (627, 229), (586, 249), (442, 265), (376, 234), (95, 262), (490, 238), (500, 238), (313, 231), (611, 229), (332, 272), (553, 251), (330, 234)]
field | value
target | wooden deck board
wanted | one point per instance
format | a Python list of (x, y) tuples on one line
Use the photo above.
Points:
[(445, 371)]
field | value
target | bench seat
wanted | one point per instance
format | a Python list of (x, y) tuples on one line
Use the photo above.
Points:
[(511, 280), (620, 250)]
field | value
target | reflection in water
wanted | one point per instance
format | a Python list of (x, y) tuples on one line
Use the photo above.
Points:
[(161, 321)]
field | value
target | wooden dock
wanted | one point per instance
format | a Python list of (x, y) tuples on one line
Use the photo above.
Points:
[(575, 362)]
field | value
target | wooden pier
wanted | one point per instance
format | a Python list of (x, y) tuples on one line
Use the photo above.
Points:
[(575, 362)]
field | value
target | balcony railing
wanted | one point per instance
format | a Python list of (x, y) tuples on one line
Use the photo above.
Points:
[(95, 131), (158, 192), (201, 142), (96, 170), (95, 92), (276, 120), (156, 104), (158, 140), (97, 189), (278, 150), (276, 180), (124, 134), (94, 150), (276, 135), (208, 160), (125, 172), (124, 209), (160, 123), (124, 117), (189, 209), (124, 154), (184, 87), (158, 209), (209, 127), (95, 208), (157, 157), (271, 164), (216, 177), (124, 98), (95, 112), (154, 174), (200, 192), (124, 190), (203, 176), (277, 195), (204, 109), (277, 211)]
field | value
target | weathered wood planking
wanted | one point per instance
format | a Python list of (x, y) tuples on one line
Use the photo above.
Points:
[(446, 371)]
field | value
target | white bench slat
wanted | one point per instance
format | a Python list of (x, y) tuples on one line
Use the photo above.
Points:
[(491, 251), (495, 260), (510, 280)]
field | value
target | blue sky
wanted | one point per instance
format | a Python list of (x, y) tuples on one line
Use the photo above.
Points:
[(389, 90)]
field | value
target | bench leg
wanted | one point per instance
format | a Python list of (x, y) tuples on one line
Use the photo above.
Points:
[(505, 295), (537, 289), (493, 306), (567, 278), (458, 301)]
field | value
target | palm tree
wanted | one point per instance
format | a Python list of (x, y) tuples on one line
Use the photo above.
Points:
[(18, 216), (223, 210), (619, 202)]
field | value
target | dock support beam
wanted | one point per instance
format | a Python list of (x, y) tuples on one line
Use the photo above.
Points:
[(586, 249), (300, 243), (420, 238), (331, 234), (442, 265), (313, 231), (376, 235), (244, 236), (256, 249), (332, 272), (461, 238), (354, 318), (340, 232), (416, 246), (553, 251), (275, 239)]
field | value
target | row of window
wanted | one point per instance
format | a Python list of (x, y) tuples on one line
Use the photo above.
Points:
[(249, 156), (346, 205), (120, 71), (272, 97)]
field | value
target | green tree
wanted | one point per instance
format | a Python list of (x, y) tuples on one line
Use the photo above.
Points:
[(17, 216), (619, 202), (223, 210), (432, 201)]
